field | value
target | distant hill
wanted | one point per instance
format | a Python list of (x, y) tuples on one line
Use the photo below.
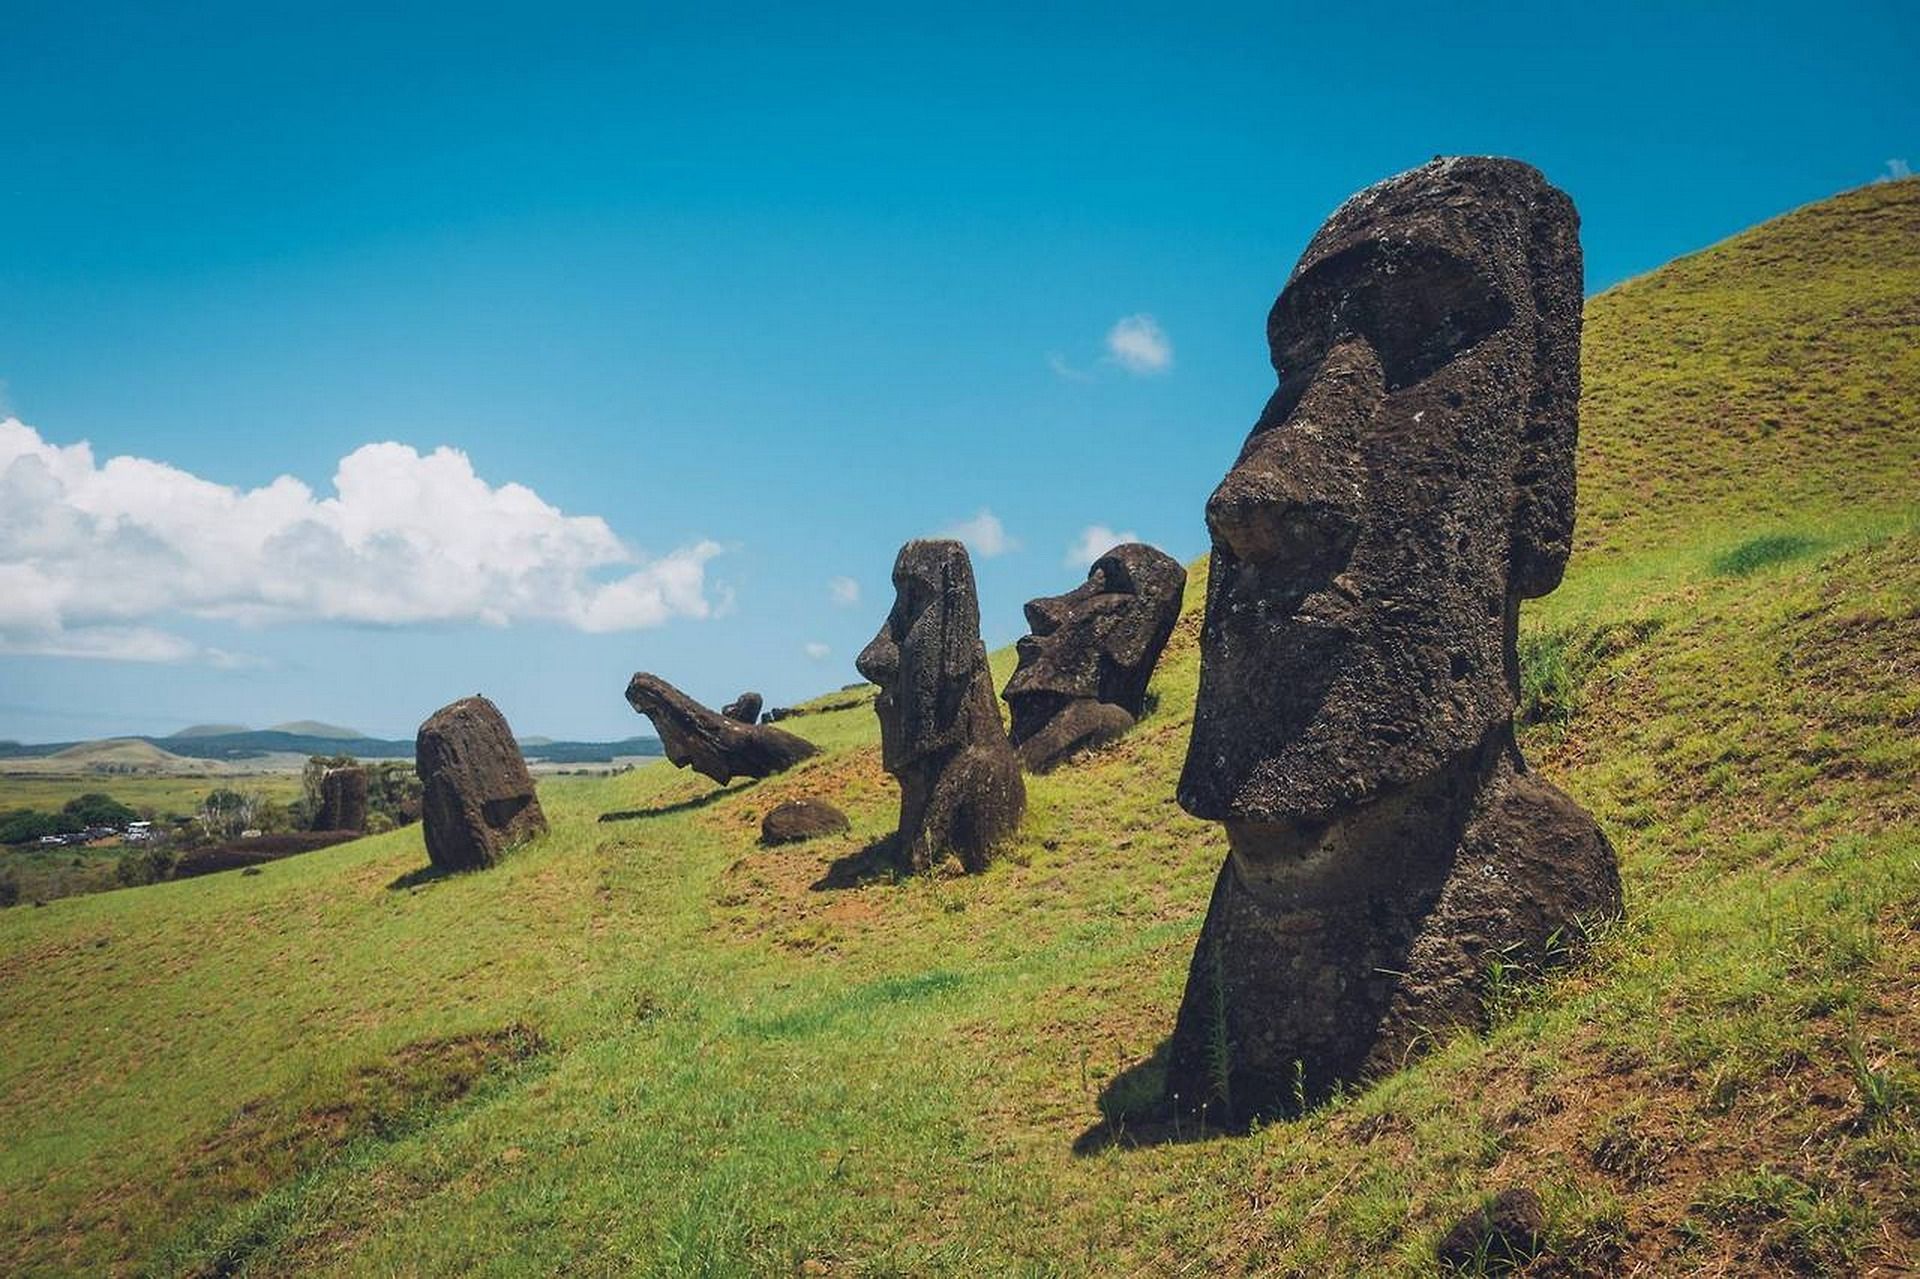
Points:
[(316, 728), (205, 730)]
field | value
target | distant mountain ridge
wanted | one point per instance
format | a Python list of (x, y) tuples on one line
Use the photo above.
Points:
[(209, 742)]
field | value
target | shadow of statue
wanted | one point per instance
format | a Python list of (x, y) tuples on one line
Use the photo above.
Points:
[(878, 861), (678, 806), (1135, 1114)]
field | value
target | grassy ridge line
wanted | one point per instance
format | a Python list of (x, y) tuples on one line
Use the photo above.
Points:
[(746, 1074)]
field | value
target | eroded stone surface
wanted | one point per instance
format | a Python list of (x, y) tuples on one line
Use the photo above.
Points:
[(941, 737), (711, 743), (477, 798), (745, 708), (801, 819), (1085, 664), (1409, 483)]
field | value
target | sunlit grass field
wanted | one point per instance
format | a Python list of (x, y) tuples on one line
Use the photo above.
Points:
[(646, 1045)]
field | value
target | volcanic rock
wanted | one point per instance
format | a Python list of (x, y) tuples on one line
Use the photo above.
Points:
[(940, 732), (745, 708), (477, 799), (1083, 672), (710, 743), (1408, 484), (801, 819)]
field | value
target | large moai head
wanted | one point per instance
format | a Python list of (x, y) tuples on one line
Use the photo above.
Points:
[(1407, 485), (927, 654), (1097, 643)]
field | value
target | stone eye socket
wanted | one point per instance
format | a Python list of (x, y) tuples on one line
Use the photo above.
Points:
[(1418, 307)]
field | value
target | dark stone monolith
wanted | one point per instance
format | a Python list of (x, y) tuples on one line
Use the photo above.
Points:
[(343, 799), (940, 732), (1407, 486), (710, 743), (745, 708), (477, 798), (801, 819), (1083, 672)]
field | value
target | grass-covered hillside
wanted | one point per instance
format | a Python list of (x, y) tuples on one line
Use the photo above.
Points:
[(645, 1045)]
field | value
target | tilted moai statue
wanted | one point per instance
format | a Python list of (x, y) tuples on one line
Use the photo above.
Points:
[(1409, 483), (1082, 678), (940, 731), (711, 743), (477, 798)]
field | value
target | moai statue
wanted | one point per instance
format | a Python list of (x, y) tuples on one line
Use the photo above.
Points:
[(711, 743), (940, 730), (477, 798), (1082, 678), (1409, 483)]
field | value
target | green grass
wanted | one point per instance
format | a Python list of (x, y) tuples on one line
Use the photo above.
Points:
[(738, 1072)]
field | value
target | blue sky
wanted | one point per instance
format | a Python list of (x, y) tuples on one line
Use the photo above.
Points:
[(765, 292)]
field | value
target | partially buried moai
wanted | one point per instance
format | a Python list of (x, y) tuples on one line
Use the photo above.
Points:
[(940, 730), (1409, 483), (343, 799), (1084, 667), (477, 798)]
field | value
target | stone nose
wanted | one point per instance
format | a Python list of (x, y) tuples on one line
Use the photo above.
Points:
[(1284, 503), (879, 661)]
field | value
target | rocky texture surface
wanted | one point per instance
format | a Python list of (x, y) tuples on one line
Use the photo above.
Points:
[(1407, 486), (1084, 667), (343, 799), (1496, 1239), (941, 737), (477, 799), (801, 819), (745, 708), (710, 743)]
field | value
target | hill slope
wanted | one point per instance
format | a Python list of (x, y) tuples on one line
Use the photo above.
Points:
[(643, 1044)]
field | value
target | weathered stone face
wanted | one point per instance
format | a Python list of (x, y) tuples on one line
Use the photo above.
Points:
[(1085, 665), (477, 798), (343, 799), (713, 744), (1409, 483), (940, 730)]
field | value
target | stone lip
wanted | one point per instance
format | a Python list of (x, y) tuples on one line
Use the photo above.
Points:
[(708, 742), (1086, 662), (941, 736), (477, 798), (1408, 484), (798, 820)]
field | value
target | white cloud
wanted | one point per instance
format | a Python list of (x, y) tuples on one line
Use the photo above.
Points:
[(88, 551), (843, 591), (816, 650), (1897, 170), (1094, 541), (1139, 345), (984, 535)]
